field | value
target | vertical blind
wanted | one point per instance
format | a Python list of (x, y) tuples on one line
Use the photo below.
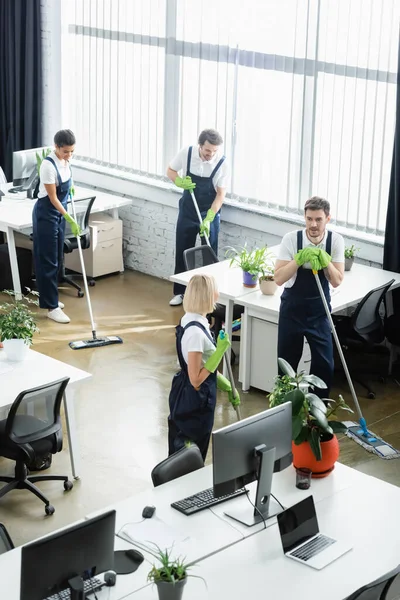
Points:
[(303, 92)]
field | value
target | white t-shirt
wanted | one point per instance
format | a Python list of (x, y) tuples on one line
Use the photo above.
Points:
[(288, 249), (48, 174), (202, 168), (194, 339)]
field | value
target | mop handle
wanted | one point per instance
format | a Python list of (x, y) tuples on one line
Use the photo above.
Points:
[(78, 238), (232, 382), (199, 215), (338, 346)]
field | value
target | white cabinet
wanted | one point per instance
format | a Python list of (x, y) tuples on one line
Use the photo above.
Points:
[(105, 253), (263, 358)]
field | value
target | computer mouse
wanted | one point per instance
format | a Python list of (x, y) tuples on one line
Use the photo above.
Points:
[(110, 578), (148, 512)]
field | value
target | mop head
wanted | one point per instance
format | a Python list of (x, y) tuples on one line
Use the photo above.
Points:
[(371, 442), (96, 342)]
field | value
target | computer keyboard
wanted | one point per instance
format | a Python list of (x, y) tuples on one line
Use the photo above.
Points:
[(89, 585), (201, 500), (313, 547)]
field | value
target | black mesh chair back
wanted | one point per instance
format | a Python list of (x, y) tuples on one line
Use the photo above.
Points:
[(376, 590), (5, 540), (82, 208), (200, 256), (366, 320), (180, 463), (35, 414)]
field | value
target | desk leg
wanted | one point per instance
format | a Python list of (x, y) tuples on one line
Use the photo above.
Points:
[(245, 346), (228, 329), (14, 262), (74, 451), (115, 215)]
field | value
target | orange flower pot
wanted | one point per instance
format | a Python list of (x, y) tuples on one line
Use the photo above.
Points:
[(303, 457)]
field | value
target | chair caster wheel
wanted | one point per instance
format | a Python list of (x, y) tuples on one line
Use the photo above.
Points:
[(92, 282), (80, 294), (68, 485), (382, 380), (49, 510), (371, 395)]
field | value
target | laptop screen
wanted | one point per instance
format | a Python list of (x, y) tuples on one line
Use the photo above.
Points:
[(297, 524)]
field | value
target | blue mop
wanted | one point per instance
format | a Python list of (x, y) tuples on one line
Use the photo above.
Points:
[(357, 432)]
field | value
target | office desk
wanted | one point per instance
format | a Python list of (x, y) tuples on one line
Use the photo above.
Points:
[(259, 331), (230, 286), (38, 369), (212, 534), (366, 514), (16, 215)]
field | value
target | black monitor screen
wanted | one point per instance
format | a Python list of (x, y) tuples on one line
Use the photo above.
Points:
[(297, 524), (82, 550)]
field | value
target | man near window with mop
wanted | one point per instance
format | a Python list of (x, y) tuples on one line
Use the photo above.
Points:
[(203, 169), (302, 314)]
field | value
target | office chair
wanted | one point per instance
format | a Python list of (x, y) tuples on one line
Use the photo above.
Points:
[(5, 540), (33, 427), (364, 330), (180, 463), (376, 590), (200, 256)]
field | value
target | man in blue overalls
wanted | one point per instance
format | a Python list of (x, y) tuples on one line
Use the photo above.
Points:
[(204, 170), (302, 314), (49, 216)]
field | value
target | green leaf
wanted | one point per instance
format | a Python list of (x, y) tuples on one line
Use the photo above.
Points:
[(303, 435), (314, 380), (315, 443), (297, 427), (337, 427), (286, 368), (296, 397), (321, 419), (314, 400)]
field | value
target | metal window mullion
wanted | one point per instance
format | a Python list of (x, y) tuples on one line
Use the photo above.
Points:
[(171, 85), (289, 157), (234, 118)]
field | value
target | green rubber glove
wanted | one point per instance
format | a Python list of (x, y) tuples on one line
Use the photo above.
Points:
[(185, 183), (303, 256), (72, 191), (205, 226), (76, 230), (234, 398), (223, 383), (223, 343), (324, 258)]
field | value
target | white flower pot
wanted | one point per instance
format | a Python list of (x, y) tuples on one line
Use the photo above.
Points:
[(268, 287), (16, 350)]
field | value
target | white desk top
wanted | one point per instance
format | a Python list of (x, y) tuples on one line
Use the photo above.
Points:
[(37, 369), (356, 283), (257, 567), (16, 212), (229, 279)]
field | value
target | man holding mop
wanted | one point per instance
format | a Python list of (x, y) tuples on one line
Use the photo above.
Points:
[(203, 170), (302, 314)]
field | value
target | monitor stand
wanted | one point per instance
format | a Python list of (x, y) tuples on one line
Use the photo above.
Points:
[(264, 503), (76, 587)]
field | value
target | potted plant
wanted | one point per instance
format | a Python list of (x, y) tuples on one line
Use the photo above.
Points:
[(349, 254), (250, 261), (267, 280), (17, 325), (314, 421), (170, 575)]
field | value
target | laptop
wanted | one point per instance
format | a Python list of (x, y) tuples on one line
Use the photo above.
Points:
[(301, 539)]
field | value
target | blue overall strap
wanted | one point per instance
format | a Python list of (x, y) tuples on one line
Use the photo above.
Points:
[(60, 182), (189, 159), (221, 160), (179, 341), (328, 241)]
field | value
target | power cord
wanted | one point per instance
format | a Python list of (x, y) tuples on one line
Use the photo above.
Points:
[(226, 521), (257, 509), (280, 504)]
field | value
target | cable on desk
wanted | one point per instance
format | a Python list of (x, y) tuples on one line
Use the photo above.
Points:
[(226, 521), (280, 504), (255, 508)]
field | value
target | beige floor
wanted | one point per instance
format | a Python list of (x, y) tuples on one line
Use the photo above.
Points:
[(122, 410)]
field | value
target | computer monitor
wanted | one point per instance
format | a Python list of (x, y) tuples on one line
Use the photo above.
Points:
[(253, 449), (83, 550), (25, 164)]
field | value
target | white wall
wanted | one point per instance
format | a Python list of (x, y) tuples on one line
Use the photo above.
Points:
[(51, 62)]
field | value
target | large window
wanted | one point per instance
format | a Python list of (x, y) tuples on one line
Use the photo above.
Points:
[(303, 92)]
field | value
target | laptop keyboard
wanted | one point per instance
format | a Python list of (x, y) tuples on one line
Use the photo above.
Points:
[(313, 547)]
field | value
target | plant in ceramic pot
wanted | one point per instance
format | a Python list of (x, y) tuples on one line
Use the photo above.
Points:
[(170, 575), (267, 276), (349, 255), (250, 261), (17, 325), (314, 422)]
